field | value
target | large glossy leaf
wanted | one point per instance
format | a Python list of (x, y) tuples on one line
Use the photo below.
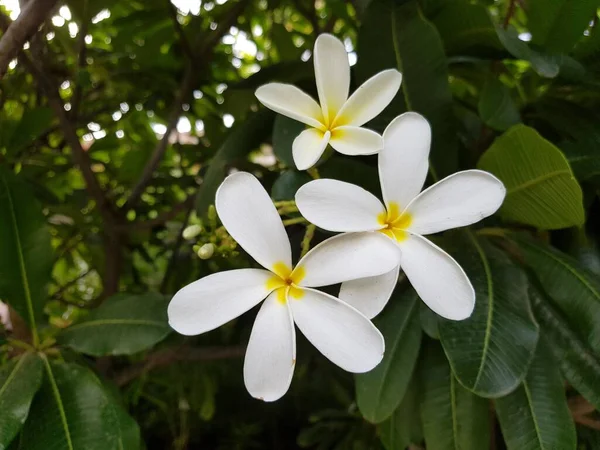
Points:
[(72, 411), (396, 34), (572, 288), (466, 29), (541, 188), (536, 415), (491, 350), (288, 183), (241, 141), (122, 325), (351, 170), (25, 248), (578, 363), (32, 124), (559, 24), (285, 130), (380, 391), (453, 417), (19, 381), (403, 427), (496, 107)]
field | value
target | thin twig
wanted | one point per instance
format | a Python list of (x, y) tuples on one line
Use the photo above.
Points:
[(21, 30), (162, 358), (81, 62), (512, 6)]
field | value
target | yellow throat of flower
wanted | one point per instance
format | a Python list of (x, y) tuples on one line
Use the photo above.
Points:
[(395, 223), (285, 281)]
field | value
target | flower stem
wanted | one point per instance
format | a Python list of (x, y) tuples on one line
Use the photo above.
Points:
[(294, 221), (496, 231), (314, 173), (308, 235)]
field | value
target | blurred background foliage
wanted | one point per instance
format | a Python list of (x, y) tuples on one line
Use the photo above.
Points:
[(119, 119)]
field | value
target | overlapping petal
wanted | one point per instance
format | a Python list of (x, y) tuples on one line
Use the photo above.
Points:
[(370, 98), (438, 279), (340, 332), (332, 73), (308, 147), (403, 162), (214, 300), (458, 200), (249, 215), (370, 295), (348, 257), (352, 141), (291, 102), (339, 206), (271, 353)]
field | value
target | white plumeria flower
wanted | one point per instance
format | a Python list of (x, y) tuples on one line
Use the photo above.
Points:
[(336, 329), (337, 121), (456, 201)]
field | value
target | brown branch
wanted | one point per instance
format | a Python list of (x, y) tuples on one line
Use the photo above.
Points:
[(162, 358), (21, 30), (190, 75), (57, 295), (512, 6), (185, 45), (81, 62)]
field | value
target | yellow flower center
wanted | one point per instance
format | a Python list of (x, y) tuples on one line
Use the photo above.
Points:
[(285, 281), (395, 223)]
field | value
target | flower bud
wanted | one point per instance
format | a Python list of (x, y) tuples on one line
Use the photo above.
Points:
[(192, 231), (212, 213), (206, 251)]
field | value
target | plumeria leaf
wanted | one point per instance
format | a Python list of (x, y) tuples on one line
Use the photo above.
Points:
[(379, 392), (408, 36), (536, 415), (403, 427), (541, 189), (285, 130), (573, 289), (122, 325), (242, 140), (25, 248), (73, 411), (287, 184), (453, 417), (578, 363), (483, 358), (19, 381), (496, 107)]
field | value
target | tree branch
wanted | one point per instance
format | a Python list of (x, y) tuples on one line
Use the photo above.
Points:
[(190, 75), (162, 358), (21, 30)]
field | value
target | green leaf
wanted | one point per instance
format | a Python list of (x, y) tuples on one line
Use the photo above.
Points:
[(287, 184), (541, 189), (404, 425), (467, 29), (558, 25), (241, 141), (352, 171), (20, 379), (491, 350), (122, 325), (536, 415), (584, 158), (380, 391), (578, 363), (26, 259), (429, 321), (72, 411), (573, 289), (453, 417), (32, 124), (545, 65), (285, 131), (396, 34), (496, 107)]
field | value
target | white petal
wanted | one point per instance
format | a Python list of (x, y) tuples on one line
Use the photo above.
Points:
[(458, 200), (349, 140), (271, 354), (249, 215), (370, 98), (332, 72), (370, 295), (338, 206), (308, 147), (438, 279), (340, 332), (291, 102), (347, 257), (403, 162), (214, 300)]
